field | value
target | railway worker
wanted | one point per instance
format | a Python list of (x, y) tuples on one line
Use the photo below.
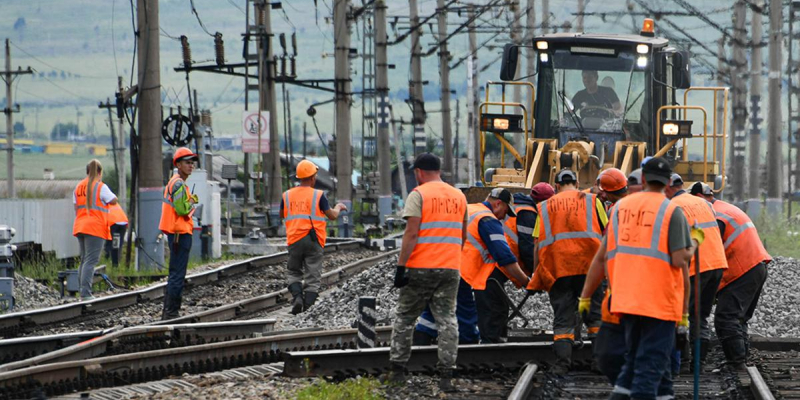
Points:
[(568, 232), (90, 199), (647, 250), (304, 211), (742, 282), (596, 100), (176, 222), (118, 224), (427, 269), (519, 229), (614, 186), (635, 183), (712, 265), (487, 263)]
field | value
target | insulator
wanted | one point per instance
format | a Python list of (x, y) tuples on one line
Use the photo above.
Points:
[(294, 44), (260, 17), (283, 66), (205, 118), (282, 39), (187, 51), (294, 68), (219, 49)]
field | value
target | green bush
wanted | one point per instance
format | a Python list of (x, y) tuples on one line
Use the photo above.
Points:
[(359, 388), (781, 236)]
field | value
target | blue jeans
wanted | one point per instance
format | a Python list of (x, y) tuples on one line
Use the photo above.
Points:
[(466, 315), (609, 350), (649, 343), (178, 260)]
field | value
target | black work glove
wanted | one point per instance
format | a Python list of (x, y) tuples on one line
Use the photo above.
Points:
[(400, 278)]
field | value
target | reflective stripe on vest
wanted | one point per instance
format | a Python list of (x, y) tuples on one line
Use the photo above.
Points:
[(290, 216), (92, 215), (440, 239), (512, 236), (487, 258), (653, 251), (171, 222), (737, 229), (550, 238), (299, 223)]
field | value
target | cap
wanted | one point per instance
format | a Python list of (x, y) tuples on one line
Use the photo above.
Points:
[(635, 178), (505, 196), (305, 169), (427, 162), (183, 154), (657, 169), (613, 180), (701, 188), (646, 159), (542, 191), (566, 176), (675, 180)]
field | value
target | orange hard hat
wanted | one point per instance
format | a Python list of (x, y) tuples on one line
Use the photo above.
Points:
[(183, 152), (306, 169), (612, 180)]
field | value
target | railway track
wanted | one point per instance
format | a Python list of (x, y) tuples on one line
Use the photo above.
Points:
[(67, 315)]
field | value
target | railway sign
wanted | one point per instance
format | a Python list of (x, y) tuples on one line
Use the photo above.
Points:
[(177, 130), (251, 132)]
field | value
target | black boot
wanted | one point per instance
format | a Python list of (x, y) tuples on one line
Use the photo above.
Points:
[(175, 307), (296, 289), (396, 374), (705, 346), (563, 350), (735, 353), (421, 339), (167, 306), (446, 381), (310, 299)]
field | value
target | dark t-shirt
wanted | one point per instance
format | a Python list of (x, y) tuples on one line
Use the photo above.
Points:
[(603, 97)]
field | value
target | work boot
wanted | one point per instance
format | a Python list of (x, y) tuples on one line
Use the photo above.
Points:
[(310, 299), (705, 346), (174, 307), (735, 354), (296, 289), (446, 381), (563, 350), (167, 306), (396, 374)]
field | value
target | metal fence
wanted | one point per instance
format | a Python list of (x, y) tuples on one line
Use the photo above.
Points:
[(47, 222)]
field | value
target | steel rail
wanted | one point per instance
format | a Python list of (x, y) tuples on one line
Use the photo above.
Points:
[(11, 324), (100, 345), (523, 387), (62, 377), (758, 386)]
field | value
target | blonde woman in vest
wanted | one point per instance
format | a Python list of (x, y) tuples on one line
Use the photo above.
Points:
[(91, 198)]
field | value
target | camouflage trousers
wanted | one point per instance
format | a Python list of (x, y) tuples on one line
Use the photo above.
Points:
[(437, 288)]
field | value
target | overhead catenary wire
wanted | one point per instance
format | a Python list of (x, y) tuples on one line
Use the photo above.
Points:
[(199, 21)]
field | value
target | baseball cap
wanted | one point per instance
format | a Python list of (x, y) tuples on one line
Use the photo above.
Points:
[(675, 180), (566, 176), (646, 159), (542, 191), (657, 169), (505, 196), (427, 162), (635, 178), (701, 188)]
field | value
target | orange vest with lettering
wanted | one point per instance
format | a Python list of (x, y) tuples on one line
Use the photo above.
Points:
[(640, 269), (439, 242), (116, 215), (171, 222), (92, 216), (301, 214), (743, 247), (569, 236), (699, 211), (476, 262)]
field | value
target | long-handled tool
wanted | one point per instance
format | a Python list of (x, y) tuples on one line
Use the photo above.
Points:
[(697, 321), (515, 310)]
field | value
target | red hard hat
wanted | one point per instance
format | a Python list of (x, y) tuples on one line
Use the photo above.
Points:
[(183, 152), (612, 180)]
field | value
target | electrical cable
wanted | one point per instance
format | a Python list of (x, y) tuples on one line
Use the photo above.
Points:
[(29, 54), (199, 21), (167, 35), (237, 6)]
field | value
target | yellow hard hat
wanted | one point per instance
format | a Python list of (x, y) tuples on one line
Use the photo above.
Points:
[(306, 169)]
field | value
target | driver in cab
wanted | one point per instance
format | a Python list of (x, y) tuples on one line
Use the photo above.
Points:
[(596, 101)]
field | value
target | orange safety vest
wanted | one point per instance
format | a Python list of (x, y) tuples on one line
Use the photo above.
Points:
[(569, 236), (476, 261), (512, 232), (92, 216), (698, 211), (641, 273), (605, 310), (171, 222), (116, 215), (440, 230), (743, 247), (301, 214)]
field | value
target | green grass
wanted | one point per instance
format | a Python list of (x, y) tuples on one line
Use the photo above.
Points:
[(31, 166), (360, 388), (781, 237)]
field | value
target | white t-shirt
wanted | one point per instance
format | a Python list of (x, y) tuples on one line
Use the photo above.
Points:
[(106, 195)]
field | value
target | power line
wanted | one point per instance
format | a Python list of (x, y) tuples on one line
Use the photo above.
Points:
[(199, 21), (65, 89), (56, 68)]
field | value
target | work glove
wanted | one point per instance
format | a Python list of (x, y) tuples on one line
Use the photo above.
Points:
[(683, 325), (698, 234), (584, 304), (400, 278)]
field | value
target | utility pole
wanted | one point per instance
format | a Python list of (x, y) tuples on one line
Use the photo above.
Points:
[(305, 141), (415, 85), (530, 56), (122, 175), (382, 91), (774, 153), (151, 177), (341, 39), (516, 38), (738, 79), (267, 102), (722, 70), (457, 150), (756, 65), (8, 77), (473, 147), (398, 151), (545, 16), (444, 74), (581, 11)]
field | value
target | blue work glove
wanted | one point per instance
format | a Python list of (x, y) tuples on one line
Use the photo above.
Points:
[(400, 278)]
